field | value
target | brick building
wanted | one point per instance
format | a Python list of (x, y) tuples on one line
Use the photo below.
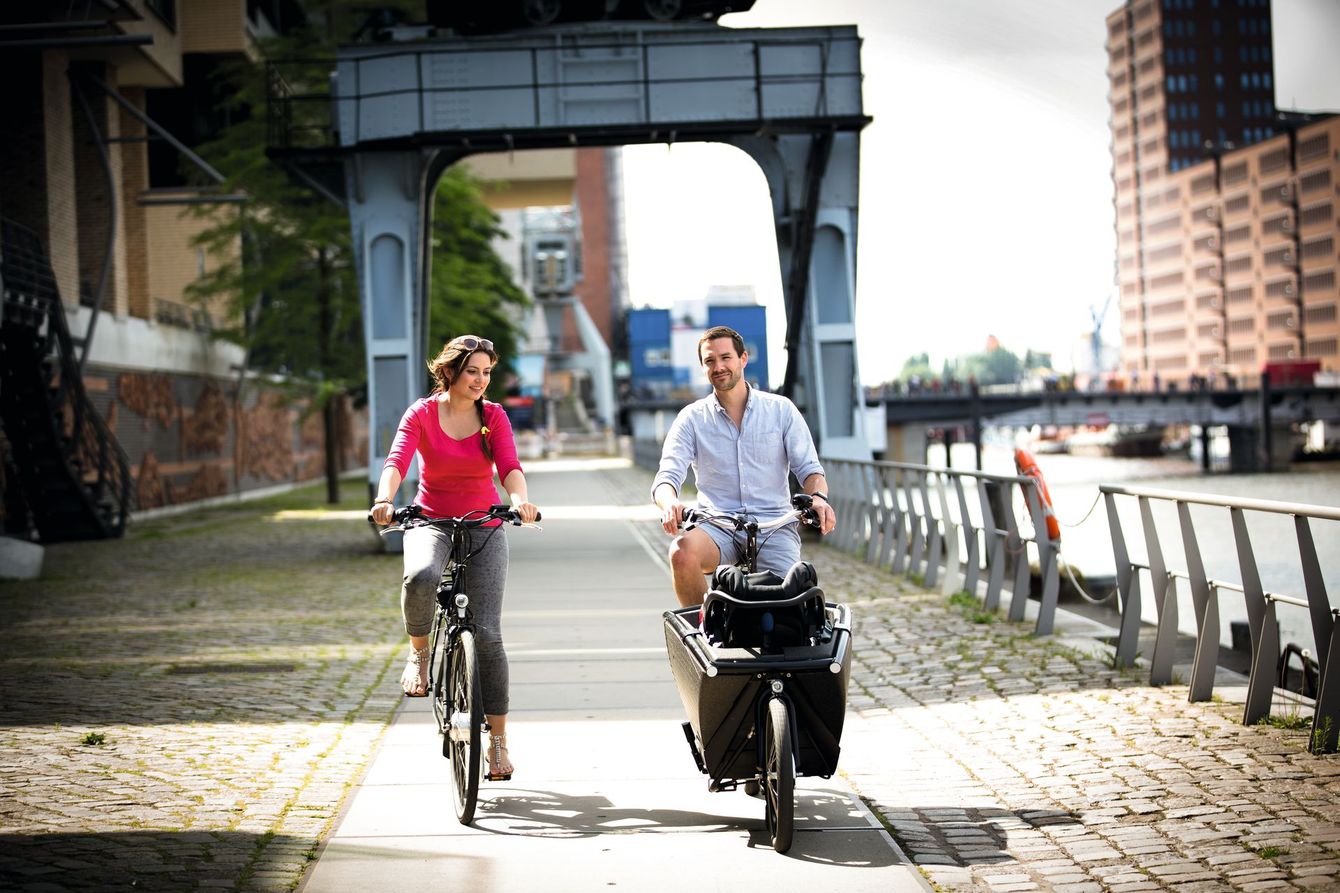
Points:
[(1227, 208), (92, 188)]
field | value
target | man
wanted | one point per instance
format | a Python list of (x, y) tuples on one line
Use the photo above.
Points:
[(741, 444)]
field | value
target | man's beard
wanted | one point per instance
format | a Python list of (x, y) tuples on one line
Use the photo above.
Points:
[(726, 382)]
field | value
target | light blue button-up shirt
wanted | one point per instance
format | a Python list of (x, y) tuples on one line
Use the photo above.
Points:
[(739, 469)]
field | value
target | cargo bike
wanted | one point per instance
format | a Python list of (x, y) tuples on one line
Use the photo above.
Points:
[(762, 669)]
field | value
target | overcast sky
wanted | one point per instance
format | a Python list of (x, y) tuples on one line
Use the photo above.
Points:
[(986, 191)]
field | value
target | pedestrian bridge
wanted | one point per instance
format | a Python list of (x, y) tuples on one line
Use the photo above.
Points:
[(1257, 419)]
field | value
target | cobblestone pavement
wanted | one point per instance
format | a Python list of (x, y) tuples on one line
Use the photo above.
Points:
[(186, 709)]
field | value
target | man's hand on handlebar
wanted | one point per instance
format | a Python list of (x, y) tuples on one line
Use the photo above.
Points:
[(672, 517), (818, 512)]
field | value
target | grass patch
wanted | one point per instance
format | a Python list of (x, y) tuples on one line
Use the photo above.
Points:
[(963, 600), (966, 604), (1293, 721), (93, 739)]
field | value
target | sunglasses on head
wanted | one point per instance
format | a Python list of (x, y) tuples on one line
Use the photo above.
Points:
[(470, 342)]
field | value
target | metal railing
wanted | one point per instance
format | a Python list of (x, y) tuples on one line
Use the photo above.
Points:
[(1260, 604), (951, 528)]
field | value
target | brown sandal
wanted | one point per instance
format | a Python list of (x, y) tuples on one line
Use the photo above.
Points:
[(416, 671)]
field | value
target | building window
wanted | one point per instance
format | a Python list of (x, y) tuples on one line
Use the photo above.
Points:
[(1280, 288), (1282, 352), (1316, 180), (1242, 356), (1320, 313), (1317, 283), (1322, 247), (1314, 146), (1322, 347)]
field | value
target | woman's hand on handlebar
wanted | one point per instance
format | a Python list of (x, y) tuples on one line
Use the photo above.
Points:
[(381, 512), (528, 511)]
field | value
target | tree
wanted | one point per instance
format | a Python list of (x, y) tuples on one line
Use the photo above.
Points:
[(996, 366), (285, 261), (918, 366)]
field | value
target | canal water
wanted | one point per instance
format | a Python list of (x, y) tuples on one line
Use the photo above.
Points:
[(1086, 541)]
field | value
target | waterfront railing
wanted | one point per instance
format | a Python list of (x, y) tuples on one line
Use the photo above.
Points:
[(1267, 669), (946, 527)]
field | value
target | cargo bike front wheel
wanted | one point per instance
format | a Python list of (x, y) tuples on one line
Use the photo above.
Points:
[(779, 775)]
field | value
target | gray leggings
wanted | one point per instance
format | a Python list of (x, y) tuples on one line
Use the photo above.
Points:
[(426, 551)]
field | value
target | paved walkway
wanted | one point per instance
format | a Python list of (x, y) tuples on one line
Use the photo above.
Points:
[(192, 707)]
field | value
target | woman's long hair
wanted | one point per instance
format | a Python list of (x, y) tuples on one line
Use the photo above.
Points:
[(447, 365)]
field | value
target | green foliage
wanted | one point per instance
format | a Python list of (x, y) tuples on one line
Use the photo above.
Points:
[(282, 262), (93, 739), (918, 365), (997, 366), (1291, 721)]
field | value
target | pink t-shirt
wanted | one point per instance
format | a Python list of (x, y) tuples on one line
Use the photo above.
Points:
[(455, 476)]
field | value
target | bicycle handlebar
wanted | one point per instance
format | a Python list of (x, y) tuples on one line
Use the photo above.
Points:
[(802, 511), (410, 516)]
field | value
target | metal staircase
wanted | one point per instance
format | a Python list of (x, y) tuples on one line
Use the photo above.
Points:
[(67, 464)]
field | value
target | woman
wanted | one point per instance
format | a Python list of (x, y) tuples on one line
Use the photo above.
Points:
[(460, 438)]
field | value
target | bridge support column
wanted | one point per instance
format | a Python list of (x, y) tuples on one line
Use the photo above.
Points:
[(1243, 452), (813, 182), (387, 209)]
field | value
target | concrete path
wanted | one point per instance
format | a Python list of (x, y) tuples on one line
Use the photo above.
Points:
[(606, 793)]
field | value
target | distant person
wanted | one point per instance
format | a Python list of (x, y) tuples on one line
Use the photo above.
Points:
[(742, 444), (460, 438)]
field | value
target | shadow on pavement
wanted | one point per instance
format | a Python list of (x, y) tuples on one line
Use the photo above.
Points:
[(141, 860), (538, 813), (955, 835)]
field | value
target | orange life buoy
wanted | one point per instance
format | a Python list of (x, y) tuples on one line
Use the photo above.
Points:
[(1025, 466)]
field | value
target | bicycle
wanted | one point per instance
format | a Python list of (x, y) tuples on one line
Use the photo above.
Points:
[(762, 669), (453, 666)]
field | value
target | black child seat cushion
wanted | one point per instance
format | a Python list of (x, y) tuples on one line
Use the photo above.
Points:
[(732, 625)]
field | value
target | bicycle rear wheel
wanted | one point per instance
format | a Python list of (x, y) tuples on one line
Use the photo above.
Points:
[(462, 740), (779, 776)]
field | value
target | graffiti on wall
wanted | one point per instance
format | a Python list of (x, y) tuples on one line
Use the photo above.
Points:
[(207, 431), (149, 396)]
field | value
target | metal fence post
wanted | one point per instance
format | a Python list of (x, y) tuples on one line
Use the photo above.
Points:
[(1164, 591)]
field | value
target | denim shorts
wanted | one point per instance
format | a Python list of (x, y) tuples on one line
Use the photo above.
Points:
[(778, 549)]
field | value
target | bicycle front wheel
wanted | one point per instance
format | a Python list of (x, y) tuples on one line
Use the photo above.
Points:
[(779, 776), (461, 743)]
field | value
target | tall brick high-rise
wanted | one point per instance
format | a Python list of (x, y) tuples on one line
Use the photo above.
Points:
[(1226, 207)]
